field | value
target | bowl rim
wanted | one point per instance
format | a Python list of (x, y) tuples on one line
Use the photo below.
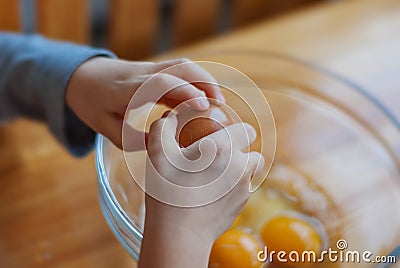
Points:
[(108, 199)]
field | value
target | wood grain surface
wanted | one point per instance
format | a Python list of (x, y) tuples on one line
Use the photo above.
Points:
[(49, 212)]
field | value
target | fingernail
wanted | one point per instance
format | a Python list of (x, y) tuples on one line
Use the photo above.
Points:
[(204, 103)]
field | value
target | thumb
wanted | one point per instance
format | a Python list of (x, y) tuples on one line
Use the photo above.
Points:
[(162, 135)]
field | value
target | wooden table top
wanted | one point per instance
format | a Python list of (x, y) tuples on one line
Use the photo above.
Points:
[(49, 212)]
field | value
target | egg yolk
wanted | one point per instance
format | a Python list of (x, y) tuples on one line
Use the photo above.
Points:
[(235, 249), (288, 234)]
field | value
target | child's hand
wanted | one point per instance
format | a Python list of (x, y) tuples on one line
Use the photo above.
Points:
[(99, 92), (177, 236)]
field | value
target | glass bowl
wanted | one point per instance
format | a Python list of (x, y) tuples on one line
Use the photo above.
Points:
[(337, 154)]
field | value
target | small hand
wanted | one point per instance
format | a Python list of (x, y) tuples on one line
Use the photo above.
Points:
[(183, 236), (100, 90)]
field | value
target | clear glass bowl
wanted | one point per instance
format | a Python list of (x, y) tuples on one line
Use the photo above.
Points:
[(329, 131)]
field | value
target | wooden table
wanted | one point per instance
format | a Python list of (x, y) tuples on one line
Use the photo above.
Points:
[(49, 212)]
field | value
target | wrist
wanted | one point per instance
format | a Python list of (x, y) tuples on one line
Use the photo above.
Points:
[(167, 244), (79, 81)]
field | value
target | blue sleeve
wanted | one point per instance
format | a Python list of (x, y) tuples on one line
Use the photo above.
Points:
[(34, 73)]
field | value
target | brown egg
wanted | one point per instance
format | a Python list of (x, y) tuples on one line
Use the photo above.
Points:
[(194, 125)]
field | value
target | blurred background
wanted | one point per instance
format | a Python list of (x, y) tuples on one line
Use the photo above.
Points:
[(136, 29), (50, 215)]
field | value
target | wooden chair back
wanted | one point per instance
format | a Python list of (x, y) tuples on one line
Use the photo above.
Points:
[(134, 27)]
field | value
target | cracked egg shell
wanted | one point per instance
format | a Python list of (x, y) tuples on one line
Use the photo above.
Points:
[(194, 125)]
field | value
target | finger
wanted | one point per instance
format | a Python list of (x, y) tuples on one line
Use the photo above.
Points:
[(255, 167), (255, 164), (162, 65), (239, 136), (165, 86), (193, 73), (172, 103), (162, 135), (251, 162), (186, 94)]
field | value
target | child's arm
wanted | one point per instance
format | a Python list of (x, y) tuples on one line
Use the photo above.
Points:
[(39, 77), (176, 236), (34, 72)]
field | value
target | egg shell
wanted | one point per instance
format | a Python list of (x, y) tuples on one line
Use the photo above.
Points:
[(194, 125)]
